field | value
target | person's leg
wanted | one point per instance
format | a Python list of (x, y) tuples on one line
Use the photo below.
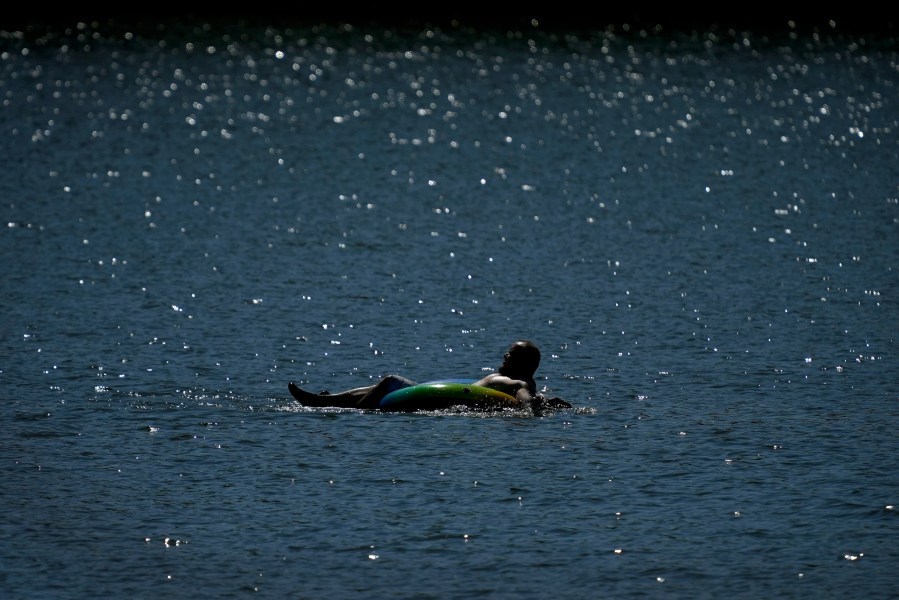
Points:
[(347, 399), (362, 397), (372, 398)]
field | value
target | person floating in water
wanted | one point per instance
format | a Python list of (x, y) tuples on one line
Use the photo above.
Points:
[(514, 377)]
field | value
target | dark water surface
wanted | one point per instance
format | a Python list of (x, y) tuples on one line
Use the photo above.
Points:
[(699, 228)]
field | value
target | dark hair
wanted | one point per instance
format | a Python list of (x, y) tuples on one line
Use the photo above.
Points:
[(527, 355)]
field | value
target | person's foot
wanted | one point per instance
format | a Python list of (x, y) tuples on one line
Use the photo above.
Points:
[(345, 400), (308, 398)]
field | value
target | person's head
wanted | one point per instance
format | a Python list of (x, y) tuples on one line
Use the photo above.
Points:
[(521, 360)]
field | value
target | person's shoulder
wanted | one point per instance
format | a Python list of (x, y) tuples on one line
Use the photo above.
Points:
[(487, 379)]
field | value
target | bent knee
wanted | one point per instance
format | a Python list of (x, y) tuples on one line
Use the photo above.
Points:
[(392, 383)]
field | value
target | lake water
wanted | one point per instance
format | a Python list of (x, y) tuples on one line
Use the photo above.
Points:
[(699, 228)]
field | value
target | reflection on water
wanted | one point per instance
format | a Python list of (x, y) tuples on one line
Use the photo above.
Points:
[(697, 226)]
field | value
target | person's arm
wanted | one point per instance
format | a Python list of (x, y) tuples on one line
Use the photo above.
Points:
[(523, 391), (528, 398)]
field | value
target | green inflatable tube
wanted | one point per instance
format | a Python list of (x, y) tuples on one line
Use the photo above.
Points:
[(443, 395)]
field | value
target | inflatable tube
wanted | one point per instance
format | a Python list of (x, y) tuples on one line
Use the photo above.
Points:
[(437, 395)]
